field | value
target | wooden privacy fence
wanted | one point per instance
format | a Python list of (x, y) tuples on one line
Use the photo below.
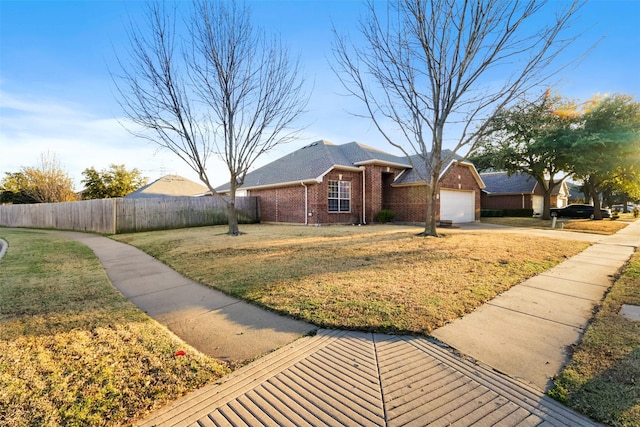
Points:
[(124, 215)]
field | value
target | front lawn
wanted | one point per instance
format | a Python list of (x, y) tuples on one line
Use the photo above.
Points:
[(603, 378), (605, 226), (378, 278), (73, 350)]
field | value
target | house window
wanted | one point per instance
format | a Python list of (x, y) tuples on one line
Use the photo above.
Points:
[(339, 196)]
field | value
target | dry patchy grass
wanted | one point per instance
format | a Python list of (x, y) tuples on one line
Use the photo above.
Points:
[(381, 278), (603, 378), (606, 226), (73, 351)]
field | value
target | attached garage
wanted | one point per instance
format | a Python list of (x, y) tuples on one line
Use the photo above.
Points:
[(457, 206)]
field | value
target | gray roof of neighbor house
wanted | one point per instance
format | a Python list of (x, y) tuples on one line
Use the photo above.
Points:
[(312, 162), (169, 186), (517, 183)]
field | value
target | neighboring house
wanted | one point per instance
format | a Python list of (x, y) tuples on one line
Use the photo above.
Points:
[(169, 186), (519, 191), (323, 183)]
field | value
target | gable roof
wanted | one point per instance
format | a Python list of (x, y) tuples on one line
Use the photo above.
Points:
[(311, 162), (516, 183), (503, 183), (169, 186), (413, 175)]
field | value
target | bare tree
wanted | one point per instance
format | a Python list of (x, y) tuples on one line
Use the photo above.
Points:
[(432, 70), (224, 90)]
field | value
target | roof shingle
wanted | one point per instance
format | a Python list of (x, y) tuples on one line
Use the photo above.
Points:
[(313, 161)]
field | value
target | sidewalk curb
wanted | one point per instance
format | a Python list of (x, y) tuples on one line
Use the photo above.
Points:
[(3, 247)]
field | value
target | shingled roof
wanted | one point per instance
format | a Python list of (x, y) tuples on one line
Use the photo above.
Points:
[(411, 176), (503, 183), (313, 161), (517, 183), (169, 186)]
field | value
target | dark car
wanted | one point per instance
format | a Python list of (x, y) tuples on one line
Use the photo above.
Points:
[(578, 211)]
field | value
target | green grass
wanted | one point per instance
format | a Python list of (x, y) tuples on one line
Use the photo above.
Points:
[(73, 351), (603, 378), (375, 278)]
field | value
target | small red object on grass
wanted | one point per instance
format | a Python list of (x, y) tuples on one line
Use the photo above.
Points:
[(180, 353)]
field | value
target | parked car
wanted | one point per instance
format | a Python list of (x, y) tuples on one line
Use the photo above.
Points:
[(578, 211)]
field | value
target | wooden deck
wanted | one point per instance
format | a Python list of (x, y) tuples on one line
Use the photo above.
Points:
[(340, 378)]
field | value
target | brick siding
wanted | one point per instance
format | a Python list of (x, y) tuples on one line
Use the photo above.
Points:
[(513, 201), (286, 204)]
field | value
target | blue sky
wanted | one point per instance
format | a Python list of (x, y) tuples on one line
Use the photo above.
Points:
[(56, 93)]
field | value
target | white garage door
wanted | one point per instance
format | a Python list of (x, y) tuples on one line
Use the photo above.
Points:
[(457, 206)]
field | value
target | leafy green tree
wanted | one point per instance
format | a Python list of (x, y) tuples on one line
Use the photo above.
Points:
[(13, 189), (116, 181), (45, 183), (535, 138), (607, 151), (624, 188)]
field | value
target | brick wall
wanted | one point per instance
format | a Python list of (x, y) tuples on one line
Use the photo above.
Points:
[(378, 189), (513, 201), (281, 204), (319, 205), (286, 204), (409, 203)]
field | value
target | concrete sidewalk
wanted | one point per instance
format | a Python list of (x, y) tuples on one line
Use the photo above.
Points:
[(210, 321), (527, 331), (347, 378)]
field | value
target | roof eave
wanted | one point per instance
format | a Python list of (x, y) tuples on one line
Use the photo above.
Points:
[(518, 193), (383, 163), (276, 185), (316, 180)]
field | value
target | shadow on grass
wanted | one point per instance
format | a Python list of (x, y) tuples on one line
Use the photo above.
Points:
[(611, 397)]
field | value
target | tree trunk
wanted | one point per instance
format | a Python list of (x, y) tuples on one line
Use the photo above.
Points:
[(232, 216), (432, 212), (596, 207), (546, 208), (590, 188)]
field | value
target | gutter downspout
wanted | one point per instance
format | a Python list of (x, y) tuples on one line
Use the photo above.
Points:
[(364, 196), (306, 204)]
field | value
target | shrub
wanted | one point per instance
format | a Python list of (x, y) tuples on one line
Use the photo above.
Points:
[(491, 212), (385, 215)]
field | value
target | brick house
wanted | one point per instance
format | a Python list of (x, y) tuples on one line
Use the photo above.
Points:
[(323, 183), (519, 191)]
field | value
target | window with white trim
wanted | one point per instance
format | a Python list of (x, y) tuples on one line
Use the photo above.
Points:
[(339, 196)]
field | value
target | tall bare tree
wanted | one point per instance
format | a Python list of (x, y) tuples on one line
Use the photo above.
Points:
[(224, 89), (436, 70)]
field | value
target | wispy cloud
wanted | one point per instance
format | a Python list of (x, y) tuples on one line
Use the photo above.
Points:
[(30, 126)]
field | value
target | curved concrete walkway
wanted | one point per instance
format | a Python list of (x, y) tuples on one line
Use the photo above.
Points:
[(210, 321), (336, 378)]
